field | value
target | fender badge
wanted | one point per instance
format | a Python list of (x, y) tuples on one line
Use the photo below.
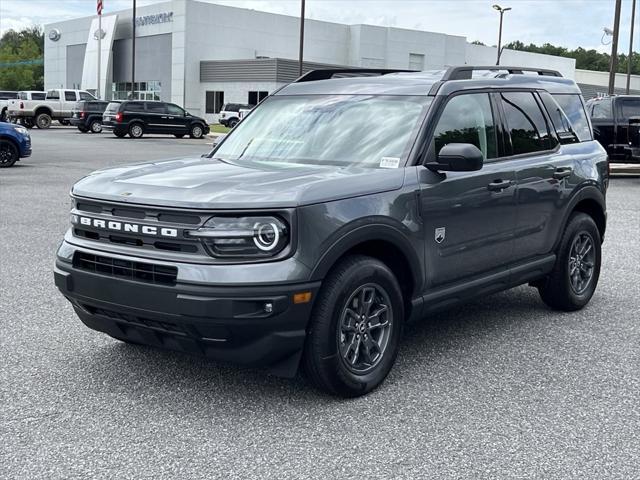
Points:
[(440, 234)]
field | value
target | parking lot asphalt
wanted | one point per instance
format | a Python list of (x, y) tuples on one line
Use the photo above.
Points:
[(499, 388)]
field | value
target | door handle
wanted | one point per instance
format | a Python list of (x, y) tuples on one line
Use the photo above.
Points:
[(499, 185), (561, 173)]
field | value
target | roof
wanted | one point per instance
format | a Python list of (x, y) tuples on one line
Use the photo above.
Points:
[(434, 82)]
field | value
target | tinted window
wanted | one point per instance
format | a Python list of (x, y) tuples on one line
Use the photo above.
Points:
[(53, 95), (526, 123), (574, 110), (156, 107), (601, 109), (174, 110), (38, 96), (559, 120), (467, 119), (8, 95), (86, 96), (630, 108), (112, 107), (70, 96), (134, 107)]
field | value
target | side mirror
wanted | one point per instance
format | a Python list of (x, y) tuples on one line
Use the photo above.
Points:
[(458, 157)]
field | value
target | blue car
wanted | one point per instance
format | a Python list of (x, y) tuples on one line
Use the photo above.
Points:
[(15, 143)]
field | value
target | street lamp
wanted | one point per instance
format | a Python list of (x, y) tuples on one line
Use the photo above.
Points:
[(501, 10)]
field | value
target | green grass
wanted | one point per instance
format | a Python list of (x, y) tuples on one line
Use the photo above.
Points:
[(217, 128)]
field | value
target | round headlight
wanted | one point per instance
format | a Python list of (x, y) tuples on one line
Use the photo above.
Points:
[(266, 237)]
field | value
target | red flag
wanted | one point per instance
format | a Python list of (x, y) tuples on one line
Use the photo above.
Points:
[(99, 7)]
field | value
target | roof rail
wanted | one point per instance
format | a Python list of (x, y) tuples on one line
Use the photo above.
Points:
[(326, 74), (466, 72)]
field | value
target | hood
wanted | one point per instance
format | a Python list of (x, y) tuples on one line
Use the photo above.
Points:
[(207, 183)]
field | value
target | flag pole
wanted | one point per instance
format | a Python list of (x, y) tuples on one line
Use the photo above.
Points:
[(99, 5)]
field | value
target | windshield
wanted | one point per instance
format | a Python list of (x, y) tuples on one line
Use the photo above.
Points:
[(343, 130)]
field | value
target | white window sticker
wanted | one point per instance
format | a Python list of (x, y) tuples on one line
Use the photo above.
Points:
[(389, 162)]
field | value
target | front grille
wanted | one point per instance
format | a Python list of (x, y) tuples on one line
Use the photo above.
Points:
[(114, 267), (146, 216)]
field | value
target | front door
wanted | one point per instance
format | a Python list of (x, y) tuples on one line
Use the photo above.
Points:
[(177, 121), (468, 217)]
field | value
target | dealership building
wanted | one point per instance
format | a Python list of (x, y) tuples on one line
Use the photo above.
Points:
[(200, 55)]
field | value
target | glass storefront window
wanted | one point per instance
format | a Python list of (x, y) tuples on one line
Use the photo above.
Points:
[(148, 90)]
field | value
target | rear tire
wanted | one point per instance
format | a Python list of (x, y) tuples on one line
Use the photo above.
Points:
[(355, 328), (196, 131), (95, 126), (8, 154), (136, 130), (574, 278), (43, 120)]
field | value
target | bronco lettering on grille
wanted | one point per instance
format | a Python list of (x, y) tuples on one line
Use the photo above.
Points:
[(126, 227)]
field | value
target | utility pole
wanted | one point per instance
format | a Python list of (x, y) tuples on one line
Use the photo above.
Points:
[(99, 8), (133, 53), (630, 57), (501, 10), (300, 55), (614, 49)]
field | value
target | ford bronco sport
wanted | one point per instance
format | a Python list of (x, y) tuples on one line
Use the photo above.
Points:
[(338, 210)]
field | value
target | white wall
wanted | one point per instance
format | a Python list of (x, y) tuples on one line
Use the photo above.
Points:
[(483, 55), (234, 92), (592, 77)]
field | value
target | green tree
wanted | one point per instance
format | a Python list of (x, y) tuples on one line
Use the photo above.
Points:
[(21, 59), (585, 59)]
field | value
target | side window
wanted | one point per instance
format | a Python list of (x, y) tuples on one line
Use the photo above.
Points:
[(69, 96), (134, 107), (467, 118), (53, 95), (86, 96), (156, 107), (559, 120), (174, 110), (38, 96), (574, 110), (630, 108), (526, 123), (601, 109)]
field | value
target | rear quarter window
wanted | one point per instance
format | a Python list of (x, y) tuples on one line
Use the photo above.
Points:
[(134, 107), (573, 108)]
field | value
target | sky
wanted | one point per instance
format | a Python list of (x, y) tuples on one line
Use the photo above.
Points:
[(568, 23)]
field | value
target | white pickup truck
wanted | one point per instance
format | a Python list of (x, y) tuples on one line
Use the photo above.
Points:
[(5, 97), (58, 104), (14, 104)]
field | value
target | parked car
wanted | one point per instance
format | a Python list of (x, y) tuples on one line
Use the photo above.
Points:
[(14, 105), (58, 105), (230, 113), (137, 117), (5, 96), (15, 143), (314, 231), (616, 125), (88, 115)]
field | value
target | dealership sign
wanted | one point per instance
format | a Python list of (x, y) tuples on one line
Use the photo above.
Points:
[(154, 19)]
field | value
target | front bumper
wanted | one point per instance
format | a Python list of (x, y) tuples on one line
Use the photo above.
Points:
[(226, 323)]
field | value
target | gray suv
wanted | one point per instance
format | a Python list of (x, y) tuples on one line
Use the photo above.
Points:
[(345, 205)]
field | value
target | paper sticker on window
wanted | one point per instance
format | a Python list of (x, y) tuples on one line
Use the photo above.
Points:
[(389, 162)]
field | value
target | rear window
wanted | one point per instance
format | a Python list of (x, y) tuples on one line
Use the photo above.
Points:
[(574, 110), (630, 107), (112, 107), (559, 119)]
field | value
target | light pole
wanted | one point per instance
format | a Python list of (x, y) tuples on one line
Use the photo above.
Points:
[(613, 66), (300, 53), (630, 57), (501, 10)]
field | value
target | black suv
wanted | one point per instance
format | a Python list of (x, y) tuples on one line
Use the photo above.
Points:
[(314, 230), (137, 117), (88, 116), (616, 125)]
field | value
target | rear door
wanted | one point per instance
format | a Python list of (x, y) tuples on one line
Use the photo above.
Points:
[(156, 117), (543, 169), (468, 217), (626, 108), (604, 130), (68, 102)]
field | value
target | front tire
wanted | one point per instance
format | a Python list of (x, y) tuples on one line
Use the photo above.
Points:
[(574, 278), (355, 329), (8, 154), (196, 131)]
